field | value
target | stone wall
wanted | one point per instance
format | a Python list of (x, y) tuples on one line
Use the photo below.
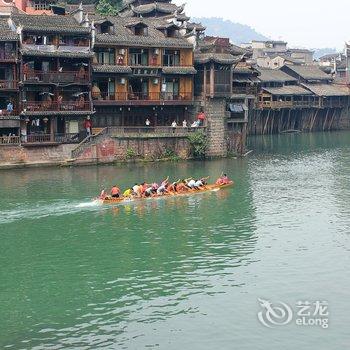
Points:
[(41, 155), (215, 110), (110, 149)]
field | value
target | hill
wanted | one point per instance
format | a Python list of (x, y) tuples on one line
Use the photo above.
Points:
[(238, 33)]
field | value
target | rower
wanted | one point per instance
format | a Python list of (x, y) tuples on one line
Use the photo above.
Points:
[(191, 183), (149, 192), (198, 185), (161, 190), (103, 195), (128, 193), (137, 190), (223, 180), (182, 187), (173, 187), (115, 192)]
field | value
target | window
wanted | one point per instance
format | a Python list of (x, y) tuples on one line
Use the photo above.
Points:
[(140, 30), (106, 56), (171, 58), (139, 57), (106, 28)]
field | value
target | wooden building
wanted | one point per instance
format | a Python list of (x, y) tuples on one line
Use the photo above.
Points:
[(142, 69), (55, 66), (9, 88)]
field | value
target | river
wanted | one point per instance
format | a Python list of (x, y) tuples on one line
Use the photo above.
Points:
[(183, 273)]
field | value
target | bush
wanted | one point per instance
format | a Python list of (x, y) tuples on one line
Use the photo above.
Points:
[(199, 143), (130, 153)]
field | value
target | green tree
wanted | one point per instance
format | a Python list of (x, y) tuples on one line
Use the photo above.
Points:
[(199, 144), (108, 7)]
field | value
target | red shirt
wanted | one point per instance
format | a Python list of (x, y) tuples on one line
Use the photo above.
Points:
[(87, 124), (201, 116), (115, 190)]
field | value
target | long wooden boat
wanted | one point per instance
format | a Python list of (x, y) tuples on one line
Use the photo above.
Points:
[(208, 188)]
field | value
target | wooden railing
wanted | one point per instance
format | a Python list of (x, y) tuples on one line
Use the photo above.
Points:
[(9, 140), (55, 138), (8, 84), (301, 104), (151, 131), (56, 77), (244, 90), (140, 96), (276, 104), (6, 113), (63, 106)]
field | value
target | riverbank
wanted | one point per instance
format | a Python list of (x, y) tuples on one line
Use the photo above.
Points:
[(107, 152)]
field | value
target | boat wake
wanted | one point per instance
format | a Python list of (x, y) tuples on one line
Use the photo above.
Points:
[(41, 210)]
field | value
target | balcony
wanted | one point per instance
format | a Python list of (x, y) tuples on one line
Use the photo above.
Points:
[(55, 77), (30, 107), (8, 85), (140, 98), (6, 113), (288, 104), (244, 90), (37, 139)]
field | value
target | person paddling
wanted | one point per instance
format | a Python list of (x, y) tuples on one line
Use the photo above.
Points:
[(115, 192), (222, 180), (128, 193)]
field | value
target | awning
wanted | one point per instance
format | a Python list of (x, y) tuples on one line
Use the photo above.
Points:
[(241, 79), (238, 107), (9, 123)]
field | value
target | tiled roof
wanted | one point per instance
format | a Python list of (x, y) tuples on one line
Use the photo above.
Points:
[(6, 34), (310, 72), (328, 89), (273, 76), (159, 7), (154, 38), (221, 58), (179, 70), (288, 90), (88, 8), (107, 68), (49, 24), (198, 26), (57, 53)]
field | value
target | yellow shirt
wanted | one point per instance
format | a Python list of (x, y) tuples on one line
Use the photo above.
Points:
[(127, 193)]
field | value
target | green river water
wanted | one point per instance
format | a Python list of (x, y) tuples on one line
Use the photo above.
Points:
[(181, 273)]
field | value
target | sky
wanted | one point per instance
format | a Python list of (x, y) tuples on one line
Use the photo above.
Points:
[(305, 23)]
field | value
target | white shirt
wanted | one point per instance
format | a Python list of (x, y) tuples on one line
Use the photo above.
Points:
[(135, 189), (199, 183), (173, 124), (191, 183)]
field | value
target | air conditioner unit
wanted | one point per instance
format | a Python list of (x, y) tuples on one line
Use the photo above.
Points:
[(156, 51), (155, 81), (122, 81), (121, 51)]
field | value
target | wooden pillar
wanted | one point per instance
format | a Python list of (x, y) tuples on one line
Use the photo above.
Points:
[(52, 128)]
